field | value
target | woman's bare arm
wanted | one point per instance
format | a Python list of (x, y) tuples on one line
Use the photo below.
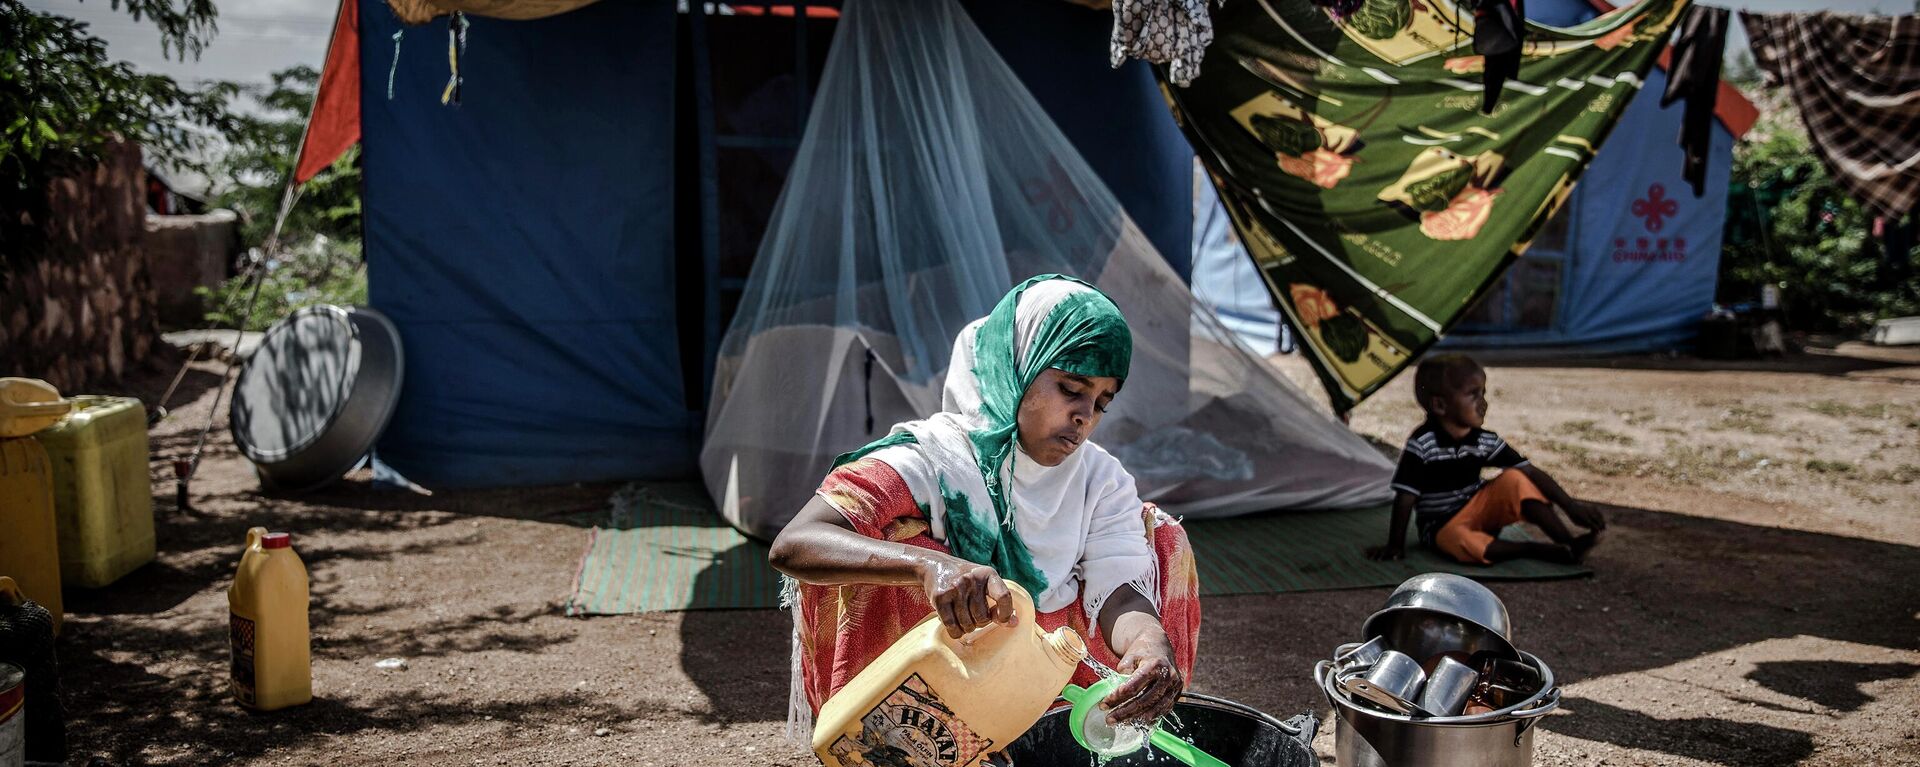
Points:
[(820, 547)]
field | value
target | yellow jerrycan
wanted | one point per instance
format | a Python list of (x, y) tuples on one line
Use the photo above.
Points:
[(28, 405), (101, 494), (935, 701), (271, 666), (29, 537)]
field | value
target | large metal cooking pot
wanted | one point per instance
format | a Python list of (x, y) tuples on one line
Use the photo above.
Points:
[(315, 395), (1364, 737), (1236, 734), (1434, 613)]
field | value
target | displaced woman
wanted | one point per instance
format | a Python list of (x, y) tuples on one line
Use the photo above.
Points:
[(1004, 483)]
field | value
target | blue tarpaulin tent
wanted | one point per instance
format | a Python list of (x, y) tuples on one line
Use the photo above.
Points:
[(1631, 261), (550, 246)]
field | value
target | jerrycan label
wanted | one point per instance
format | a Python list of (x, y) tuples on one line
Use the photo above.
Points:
[(911, 728), (240, 634)]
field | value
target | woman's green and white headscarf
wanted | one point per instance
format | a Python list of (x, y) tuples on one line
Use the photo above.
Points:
[(1050, 529)]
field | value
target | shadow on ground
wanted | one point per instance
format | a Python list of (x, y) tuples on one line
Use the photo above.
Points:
[(1667, 588), (1691, 587)]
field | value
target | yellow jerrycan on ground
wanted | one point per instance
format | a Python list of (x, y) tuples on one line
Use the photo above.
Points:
[(935, 701), (28, 405), (29, 541), (101, 493), (271, 665)]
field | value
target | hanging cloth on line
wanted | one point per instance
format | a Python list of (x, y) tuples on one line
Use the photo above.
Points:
[(1695, 76), (1499, 33), (1363, 175), (1171, 32), (1856, 82)]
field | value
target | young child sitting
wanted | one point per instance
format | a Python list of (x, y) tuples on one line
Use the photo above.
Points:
[(1438, 481)]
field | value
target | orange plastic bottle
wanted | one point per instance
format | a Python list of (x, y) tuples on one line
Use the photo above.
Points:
[(931, 699), (271, 665)]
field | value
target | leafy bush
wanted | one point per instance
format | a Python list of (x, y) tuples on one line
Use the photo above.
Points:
[(318, 270)]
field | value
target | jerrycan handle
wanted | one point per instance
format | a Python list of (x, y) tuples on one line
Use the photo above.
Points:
[(56, 407), (13, 403), (1022, 610)]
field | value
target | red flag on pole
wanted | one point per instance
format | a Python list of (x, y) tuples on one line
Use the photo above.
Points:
[(334, 124)]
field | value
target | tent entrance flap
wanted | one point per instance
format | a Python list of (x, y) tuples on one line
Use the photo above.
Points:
[(928, 183)]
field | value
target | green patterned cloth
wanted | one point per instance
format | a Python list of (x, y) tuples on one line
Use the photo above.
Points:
[(1357, 166)]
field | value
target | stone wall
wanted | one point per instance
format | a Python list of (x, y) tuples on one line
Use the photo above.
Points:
[(188, 252), (82, 313)]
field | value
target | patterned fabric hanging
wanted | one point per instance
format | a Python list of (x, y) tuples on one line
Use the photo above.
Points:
[(1856, 82), (1171, 32), (1363, 174)]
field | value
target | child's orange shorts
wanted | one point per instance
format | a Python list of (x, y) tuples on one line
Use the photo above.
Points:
[(1496, 505)]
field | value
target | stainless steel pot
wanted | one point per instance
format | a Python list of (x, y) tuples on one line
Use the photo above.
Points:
[(1364, 737)]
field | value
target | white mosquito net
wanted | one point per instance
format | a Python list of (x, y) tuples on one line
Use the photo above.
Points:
[(930, 181)]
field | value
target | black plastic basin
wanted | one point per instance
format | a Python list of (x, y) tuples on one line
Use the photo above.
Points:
[(1233, 733)]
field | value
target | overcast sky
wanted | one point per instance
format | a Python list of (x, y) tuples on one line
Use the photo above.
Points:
[(258, 37)]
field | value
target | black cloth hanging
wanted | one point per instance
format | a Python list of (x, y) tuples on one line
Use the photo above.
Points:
[(1499, 33), (1695, 76), (1897, 242)]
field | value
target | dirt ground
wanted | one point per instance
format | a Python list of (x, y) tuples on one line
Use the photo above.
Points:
[(1756, 599)]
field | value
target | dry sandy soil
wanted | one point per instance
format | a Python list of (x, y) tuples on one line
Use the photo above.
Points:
[(1756, 599)]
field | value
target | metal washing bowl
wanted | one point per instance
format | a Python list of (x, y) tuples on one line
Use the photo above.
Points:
[(315, 395), (1440, 612)]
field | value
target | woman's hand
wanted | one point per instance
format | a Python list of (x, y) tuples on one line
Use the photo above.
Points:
[(966, 595), (1153, 685)]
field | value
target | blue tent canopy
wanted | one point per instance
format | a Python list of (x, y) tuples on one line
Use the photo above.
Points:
[(1631, 261), (532, 242)]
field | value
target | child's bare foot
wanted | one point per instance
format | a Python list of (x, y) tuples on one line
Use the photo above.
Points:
[(1501, 551), (1579, 547)]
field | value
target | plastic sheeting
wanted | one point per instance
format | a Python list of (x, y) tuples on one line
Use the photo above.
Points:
[(521, 243), (1638, 262), (928, 183)]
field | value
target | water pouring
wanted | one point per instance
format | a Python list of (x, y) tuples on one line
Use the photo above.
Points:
[(1106, 740)]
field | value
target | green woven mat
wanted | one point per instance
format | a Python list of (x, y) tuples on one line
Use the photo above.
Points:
[(663, 547), (1326, 550)]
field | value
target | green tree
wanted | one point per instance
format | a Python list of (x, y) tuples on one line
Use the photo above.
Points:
[(63, 103), (317, 259), (259, 160)]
